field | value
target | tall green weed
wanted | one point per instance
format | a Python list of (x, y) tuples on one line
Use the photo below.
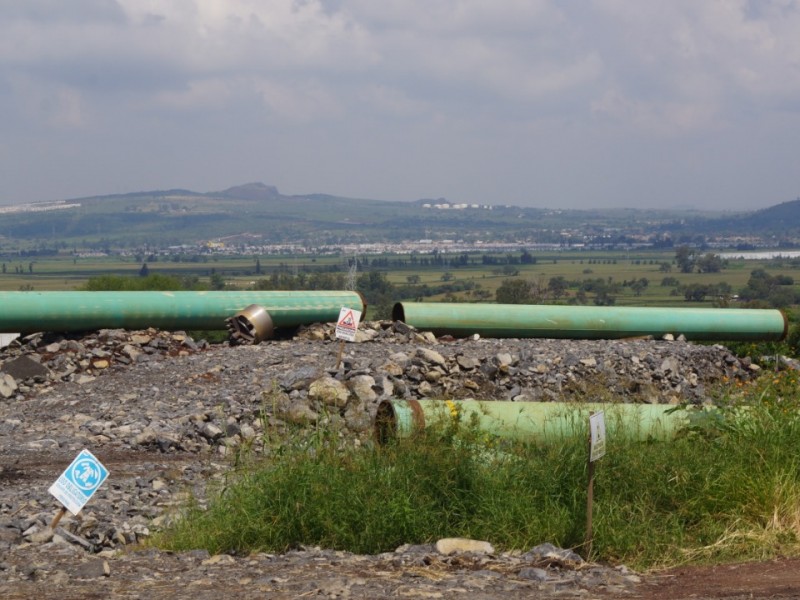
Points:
[(726, 488)]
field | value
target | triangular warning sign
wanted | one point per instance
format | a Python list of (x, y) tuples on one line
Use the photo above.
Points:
[(348, 320)]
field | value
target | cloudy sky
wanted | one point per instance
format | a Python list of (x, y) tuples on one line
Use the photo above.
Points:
[(580, 103)]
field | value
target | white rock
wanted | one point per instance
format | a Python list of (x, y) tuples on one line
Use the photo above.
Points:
[(8, 385), (431, 356), (448, 546), (329, 391)]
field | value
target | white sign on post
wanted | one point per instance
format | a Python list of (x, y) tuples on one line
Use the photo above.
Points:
[(347, 324), (597, 428), (79, 481)]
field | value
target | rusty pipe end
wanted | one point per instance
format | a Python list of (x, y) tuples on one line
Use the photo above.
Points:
[(398, 419), (363, 305), (785, 326)]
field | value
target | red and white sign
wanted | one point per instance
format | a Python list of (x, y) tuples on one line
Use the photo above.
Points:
[(347, 324)]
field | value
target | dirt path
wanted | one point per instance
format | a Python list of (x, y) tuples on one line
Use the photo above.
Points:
[(777, 579)]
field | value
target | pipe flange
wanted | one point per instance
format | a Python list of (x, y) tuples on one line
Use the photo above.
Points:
[(250, 325)]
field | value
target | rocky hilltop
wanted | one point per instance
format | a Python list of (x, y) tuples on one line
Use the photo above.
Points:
[(164, 412)]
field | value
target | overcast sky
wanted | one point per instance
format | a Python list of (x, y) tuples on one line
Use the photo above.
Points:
[(578, 104)]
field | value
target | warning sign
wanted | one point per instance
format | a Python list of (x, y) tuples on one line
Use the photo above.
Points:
[(347, 324), (79, 481), (597, 428)]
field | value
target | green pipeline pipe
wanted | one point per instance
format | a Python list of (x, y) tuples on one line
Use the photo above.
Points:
[(592, 322), (28, 312), (532, 421)]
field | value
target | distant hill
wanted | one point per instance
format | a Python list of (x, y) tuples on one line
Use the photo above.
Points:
[(781, 220), (249, 191), (258, 213), (781, 217)]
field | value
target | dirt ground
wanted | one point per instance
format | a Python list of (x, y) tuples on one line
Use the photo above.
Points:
[(66, 572), (61, 573), (159, 576), (778, 579)]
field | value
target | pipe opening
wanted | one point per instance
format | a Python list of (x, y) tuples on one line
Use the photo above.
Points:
[(385, 423), (398, 313)]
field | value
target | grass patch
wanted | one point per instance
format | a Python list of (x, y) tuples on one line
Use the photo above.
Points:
[(727, 489)]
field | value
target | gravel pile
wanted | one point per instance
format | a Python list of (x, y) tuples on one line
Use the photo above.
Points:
[(164, 413)]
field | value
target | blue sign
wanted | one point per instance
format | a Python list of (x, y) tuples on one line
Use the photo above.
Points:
[(79, 481)]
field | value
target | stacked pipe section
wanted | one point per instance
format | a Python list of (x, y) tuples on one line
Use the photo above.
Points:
[(592, 322), (28, 312)]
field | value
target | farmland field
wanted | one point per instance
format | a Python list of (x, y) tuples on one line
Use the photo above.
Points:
[(473, 277)]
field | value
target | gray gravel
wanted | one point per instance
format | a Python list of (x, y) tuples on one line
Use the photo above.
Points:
[(165, 414)]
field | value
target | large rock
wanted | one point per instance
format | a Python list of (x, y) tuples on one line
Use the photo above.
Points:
[(448, 546), (431, 356), (25, 367), (362, 387), (8, 385), (329, 391), (299, 413)]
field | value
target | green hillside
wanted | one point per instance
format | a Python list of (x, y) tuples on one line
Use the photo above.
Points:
[(257, 213)]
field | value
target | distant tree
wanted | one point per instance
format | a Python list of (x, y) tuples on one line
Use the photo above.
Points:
[(413, 279), (113, 283), (379, 293), (604, 298), (30, 267), (217, 282), (514, 291), (4, 268), (639, 286), (695, 292), (710, 263), (527, 258), (557, 286), (144, 271), (772, 290), (258, 267), (685, 258), (604, 290), (665, 267)]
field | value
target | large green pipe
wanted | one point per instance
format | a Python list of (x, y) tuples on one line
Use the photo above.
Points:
[(533, 421), (27, 312), (592, 322)]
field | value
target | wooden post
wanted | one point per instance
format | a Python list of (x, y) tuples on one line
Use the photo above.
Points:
[(589, 511), (58, 517), (589, 496), (339, 357)]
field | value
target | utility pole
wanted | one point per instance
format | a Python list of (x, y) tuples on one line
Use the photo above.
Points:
[(352, 275)]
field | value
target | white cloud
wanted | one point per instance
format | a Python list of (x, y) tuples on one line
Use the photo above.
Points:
[(502, 81), (714, 55), (208, 35)]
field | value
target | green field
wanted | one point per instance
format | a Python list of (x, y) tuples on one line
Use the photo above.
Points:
[(463, 278)]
